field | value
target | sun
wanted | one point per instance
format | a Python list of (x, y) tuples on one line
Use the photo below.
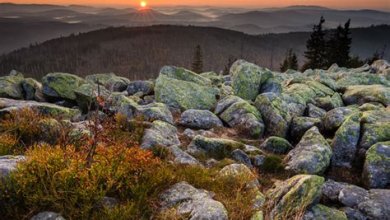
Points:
[(143, 4)]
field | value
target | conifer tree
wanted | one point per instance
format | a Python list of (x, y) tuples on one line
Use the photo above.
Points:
[(197, 63), (339, 46), (315, 48), (229, 63), (290, 62)]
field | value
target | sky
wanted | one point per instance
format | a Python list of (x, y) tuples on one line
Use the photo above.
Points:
[(343, 4)]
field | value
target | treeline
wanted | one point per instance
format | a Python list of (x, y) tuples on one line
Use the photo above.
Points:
[(140, 52), (327, 47)]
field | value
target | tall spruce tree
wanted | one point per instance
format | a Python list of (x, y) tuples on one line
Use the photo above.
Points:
[(197, 63), (315, 48), (339, 46), (290, 62)]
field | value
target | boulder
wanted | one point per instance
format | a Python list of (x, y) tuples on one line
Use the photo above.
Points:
[(247, 79), (375, 132), (110, 81), (321, 212), (161, 134), (331, 190), (192, 203), (47, 216), (61, 86), (290, 198), (9, 105), (299, 125), (377, 206), (199, 119), (241, 157), (238, 113), (367, 93), (314, 111), (353, 214), (181, 88), (329, 102), (146, 87), (32, 90), (345, 141), (352, 196), (275, 113), (312, 154), (8, 164), (87, 96), (10, 86), (335, 117), (217, 148), (376, 171), (276, 145), (182, 157)]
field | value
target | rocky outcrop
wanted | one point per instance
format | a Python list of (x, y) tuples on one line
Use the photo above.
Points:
[(110, 81), (376, 171), (367, 93), (161, 134), (199, 119), (61, 86), (10, 86), (217, 148)]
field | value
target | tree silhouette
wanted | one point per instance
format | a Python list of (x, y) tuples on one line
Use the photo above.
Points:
[(197, 64), (290, 62), (339, 46), (315, 48)]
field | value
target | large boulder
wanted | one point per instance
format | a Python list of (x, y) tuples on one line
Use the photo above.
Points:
[(367, 93), (200, 119), (10, 86), (377, 206), (8, 164), (182, 157), (312, 154), (276, 145), (32, 89), (329, 102), (110, 81), (345, 142), (321, 212), (161, 134), (9, 105), (181, 88), (334, 118), (238, 113), (145, 87), (61, 86), (299, 126), (376, 171), (247, 79), (87, 96), (192, 203), (275, 114), (217, 148), (288, 199), (375, 132)]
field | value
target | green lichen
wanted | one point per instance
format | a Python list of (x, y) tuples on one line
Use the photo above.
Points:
[(61, 85), (217, 148), (323, 212)]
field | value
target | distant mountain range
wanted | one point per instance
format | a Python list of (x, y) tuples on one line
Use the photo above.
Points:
[(25, 24), (139, 52)]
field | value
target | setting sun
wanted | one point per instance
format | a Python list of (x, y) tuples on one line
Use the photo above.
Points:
[(143, 4)]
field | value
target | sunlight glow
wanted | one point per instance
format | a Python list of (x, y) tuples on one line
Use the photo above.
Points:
[(143, 4)]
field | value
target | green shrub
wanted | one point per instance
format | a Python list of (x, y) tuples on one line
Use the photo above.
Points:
[(272, 164)]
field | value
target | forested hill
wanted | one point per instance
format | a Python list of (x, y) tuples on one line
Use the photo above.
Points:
[(139, 52)]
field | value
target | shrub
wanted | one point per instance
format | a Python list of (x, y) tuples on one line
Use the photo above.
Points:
[(272, 164), (8, 144)]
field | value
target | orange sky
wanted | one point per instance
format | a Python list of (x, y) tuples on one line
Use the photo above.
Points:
[(377, 4)]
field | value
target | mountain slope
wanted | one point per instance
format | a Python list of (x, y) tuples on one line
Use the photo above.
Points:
[(141, 51)]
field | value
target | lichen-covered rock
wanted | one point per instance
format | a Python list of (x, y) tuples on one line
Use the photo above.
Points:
[(329, 102), (331, 190), (276, 145), (377, 206), (32, 90), (335, 117), (10, 86), (161, 134), (314, 111), (293, 196), (376, 171), (200, 119), (352, 196), (272, 85), (321, 212), (87, 94), (9, 105), (8, 164), (345, 141), (312, 154), (146, 87), (47, 216), (247, 79), (58, 86), (299, 125), (110, 81), (50, 130), (192, 203), (275, 113), (361, 79), (238, 113), (217, 148), (353, 214), (181, 88), (374, 133), (182, 157), (241, 157), (367, 93)]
